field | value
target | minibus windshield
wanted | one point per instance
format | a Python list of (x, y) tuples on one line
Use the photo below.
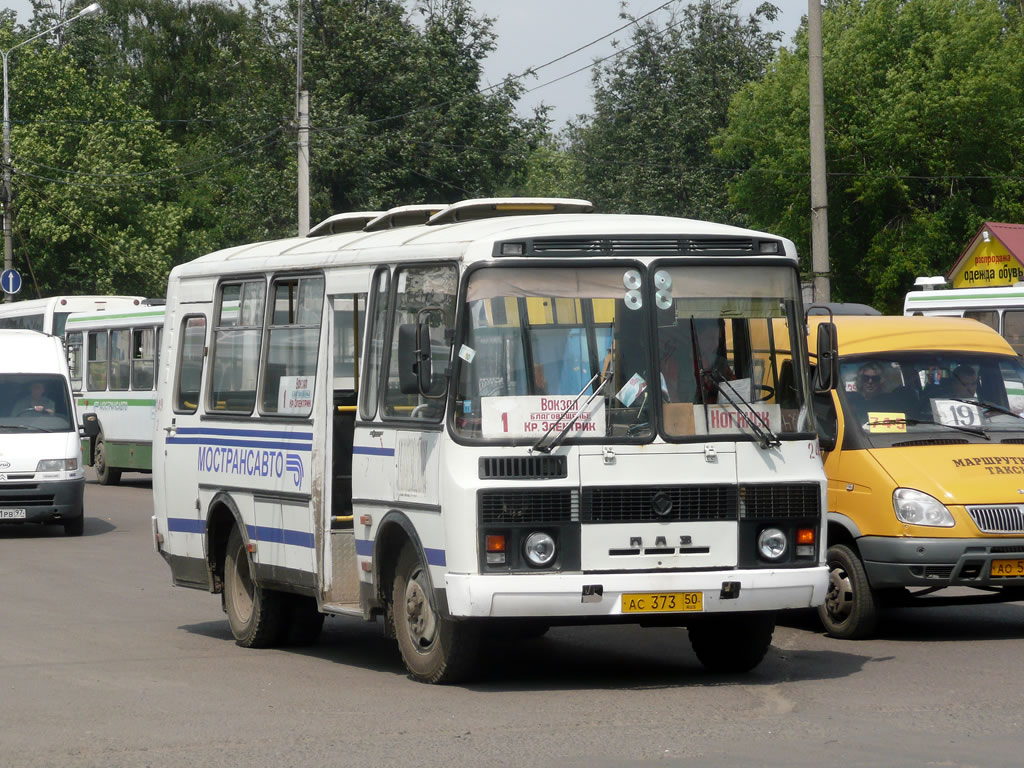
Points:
[(34, 403), (898, 396)]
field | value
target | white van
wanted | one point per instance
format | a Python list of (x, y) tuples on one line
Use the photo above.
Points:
[(41, 475)]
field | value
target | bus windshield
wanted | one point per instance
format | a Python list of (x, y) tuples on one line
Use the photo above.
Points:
[(606, 352), (898, 396), (541, 341)]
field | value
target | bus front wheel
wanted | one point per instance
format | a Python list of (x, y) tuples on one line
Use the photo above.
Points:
[(255, 614), (434, 649), (105, 474), (733, 642)]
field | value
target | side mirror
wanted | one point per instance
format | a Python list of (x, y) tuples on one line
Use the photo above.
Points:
[(90, 425), (826, 373), (413, 364)]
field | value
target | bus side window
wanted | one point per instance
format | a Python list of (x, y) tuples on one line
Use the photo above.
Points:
[(190, 364), (1013, 329), (293, 344), (419, 288), (143, 358), (96, 366), (75, 359), (120, 359), (370, 387), (989, 317), (235, 352)]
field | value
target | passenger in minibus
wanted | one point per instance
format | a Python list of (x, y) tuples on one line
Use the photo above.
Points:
[(964, 382)]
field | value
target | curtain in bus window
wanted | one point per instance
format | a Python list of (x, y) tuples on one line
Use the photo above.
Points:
[(96, 367), (120, 359), (236, 347), (143, 358), (190, 364), (293, 346)]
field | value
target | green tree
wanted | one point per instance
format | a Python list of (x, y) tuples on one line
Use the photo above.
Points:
[(923, 124), (657, 105)]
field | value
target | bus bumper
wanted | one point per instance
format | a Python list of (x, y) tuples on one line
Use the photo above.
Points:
[(600, 595)]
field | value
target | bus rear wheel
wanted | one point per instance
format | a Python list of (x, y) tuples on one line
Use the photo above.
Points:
[(105, 474), (731, 643), (256, 615), (434, 649)]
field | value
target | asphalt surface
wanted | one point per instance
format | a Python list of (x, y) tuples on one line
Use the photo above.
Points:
[(104, 663)]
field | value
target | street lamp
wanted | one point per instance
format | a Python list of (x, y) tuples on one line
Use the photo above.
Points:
[(8, 248)]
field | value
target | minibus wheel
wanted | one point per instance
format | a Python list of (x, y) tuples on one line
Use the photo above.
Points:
[(105, 474), (255, 614), (850, 610), (434, 649), (732, 642)]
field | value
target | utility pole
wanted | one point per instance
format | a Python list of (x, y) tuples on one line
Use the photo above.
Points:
[(302, 120), (819, 188)]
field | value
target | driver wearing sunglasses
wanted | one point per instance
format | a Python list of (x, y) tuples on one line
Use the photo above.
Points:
[(869, 381)]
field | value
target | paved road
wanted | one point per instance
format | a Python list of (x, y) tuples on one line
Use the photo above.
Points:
[(104, 663)]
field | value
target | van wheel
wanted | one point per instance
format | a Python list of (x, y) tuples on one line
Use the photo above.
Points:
[(850, 611), (732, 643), (256, 615), (105, 474), (434, 649), (74, 527)]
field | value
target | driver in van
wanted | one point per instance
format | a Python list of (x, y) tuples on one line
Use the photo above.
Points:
[(35, 400)]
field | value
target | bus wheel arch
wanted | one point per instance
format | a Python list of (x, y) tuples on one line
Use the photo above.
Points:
[(222, 517)]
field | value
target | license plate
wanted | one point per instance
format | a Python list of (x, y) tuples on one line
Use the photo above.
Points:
[(662, 602), (1007, 568), (12, 514)]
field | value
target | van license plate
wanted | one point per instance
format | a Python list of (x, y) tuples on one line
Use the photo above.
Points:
[(662, 602), (12, 514), (1007, 568)]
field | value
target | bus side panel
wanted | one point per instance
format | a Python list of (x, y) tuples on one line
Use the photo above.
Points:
[(416, 473)]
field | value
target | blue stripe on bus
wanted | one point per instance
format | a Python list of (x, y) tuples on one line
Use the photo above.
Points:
[(240, 443), (186, 525), (280, 536), (245, 433), (364, 547), (371, 451)]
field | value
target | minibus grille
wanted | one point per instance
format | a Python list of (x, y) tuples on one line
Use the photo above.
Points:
[(615, 504), (558, 505), (24, 495), (780, 501), (1005, 518), (522, 467)]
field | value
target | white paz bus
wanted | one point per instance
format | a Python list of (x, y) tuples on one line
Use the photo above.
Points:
[(516, 415), (113, 357)]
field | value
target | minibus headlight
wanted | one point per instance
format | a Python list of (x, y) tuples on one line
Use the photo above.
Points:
[(917, 508), (56, 465), (771, 543), (539, 549)]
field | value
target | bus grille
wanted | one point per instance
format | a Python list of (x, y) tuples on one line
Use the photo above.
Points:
[(559, 505), (1006, 518), (522, 467), (603, 504), (759, 502)]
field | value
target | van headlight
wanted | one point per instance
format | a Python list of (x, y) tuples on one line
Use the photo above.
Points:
[(57, 465), (917, 508)]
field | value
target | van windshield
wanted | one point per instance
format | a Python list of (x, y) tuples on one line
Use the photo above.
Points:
[(34, 402), (894, 397)]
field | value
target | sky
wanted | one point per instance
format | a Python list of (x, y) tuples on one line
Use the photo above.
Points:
[(533, 32)]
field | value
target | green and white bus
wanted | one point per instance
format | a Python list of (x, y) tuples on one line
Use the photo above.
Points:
[(50, 315), (113, 361)]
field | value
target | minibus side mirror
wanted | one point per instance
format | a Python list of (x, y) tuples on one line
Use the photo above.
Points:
[(826, 373)]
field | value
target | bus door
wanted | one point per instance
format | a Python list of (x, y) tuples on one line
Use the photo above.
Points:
[(337, 559)]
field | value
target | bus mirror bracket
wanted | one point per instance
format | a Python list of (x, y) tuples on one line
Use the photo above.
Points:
[(826, 372)]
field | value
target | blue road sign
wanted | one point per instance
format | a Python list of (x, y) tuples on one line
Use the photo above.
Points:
[(10, 281)]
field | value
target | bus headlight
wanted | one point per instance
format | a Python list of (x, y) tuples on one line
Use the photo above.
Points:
[(539, 549), (772, 544), (917, 508)]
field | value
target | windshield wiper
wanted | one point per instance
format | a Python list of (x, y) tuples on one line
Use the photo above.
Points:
[(579, 412), (986, 406), (26, 427), (960, 427), (764, 434)]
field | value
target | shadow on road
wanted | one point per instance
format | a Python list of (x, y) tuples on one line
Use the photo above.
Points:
[(572, 658), (94, 526)]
